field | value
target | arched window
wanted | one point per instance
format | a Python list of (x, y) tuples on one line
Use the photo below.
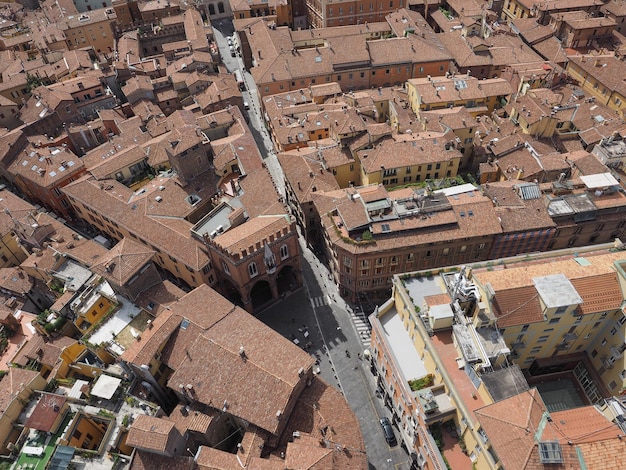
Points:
[(284, 252), (252, 270), (220, 7), (211, 9)]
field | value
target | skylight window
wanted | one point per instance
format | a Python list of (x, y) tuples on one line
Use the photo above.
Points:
[(460, 84), (184, 324), (550, 452)]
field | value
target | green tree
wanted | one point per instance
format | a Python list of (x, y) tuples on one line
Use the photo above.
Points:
[(32, 82)]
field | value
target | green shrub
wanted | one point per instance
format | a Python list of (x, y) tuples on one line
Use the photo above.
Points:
[(418, 384)]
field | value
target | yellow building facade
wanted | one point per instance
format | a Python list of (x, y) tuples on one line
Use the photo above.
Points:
[(558, 314), (11, 254), (601, 79)]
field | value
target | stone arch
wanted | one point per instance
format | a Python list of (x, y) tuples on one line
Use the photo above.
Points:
[(286, 280), (260, 294), (231, 292)]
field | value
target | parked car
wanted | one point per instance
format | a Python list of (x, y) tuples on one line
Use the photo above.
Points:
[(390, 436)]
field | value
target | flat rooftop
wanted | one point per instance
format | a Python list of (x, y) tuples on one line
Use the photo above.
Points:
[(401, 346), (443, 343), (556, 290), (74, 275), (217, 218)]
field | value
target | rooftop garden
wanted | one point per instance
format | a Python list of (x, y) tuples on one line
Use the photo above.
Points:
[(5, 334), (50, 321), (446, 13), (366, 237), (417, 384), (48, 443), (437, 184)]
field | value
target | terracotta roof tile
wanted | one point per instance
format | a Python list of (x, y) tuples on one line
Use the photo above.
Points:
[(318, 406), (142, 352), (139, 213), (608, 71), (443, 90), (271, 363), (44, 352), (247, 235), (144, 460), (150, 433), (509, 424), (12, 383), (46, 412), (306, 173), (123, 261), (390, 153), (104, 163), (187, 418), (599, 293), (15, 280), (517, 306), (156, 298), (516, 300)]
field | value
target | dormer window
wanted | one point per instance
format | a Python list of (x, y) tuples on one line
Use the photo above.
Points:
[(550, 452)]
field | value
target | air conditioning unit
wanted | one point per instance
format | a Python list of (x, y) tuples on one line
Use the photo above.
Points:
[(158, 199), (220, 229)]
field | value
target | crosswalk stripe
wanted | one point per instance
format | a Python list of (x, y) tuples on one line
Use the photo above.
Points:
[(363, 329), (319, 301)]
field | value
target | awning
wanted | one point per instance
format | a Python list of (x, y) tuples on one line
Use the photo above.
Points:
[(106, 386)]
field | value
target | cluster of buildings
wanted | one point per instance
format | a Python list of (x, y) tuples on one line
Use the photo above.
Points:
[(123, 121), (375, 178), (513, 363), (105, 362), (411, 136)]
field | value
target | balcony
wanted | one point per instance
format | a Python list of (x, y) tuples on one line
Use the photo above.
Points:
[(435, 403)]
